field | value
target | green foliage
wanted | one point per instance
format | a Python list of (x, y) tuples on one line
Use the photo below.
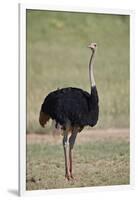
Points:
[(57, 56)]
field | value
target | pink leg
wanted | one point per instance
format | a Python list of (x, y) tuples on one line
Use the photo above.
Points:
[(66, 164), (65, 137), (70, 163), (71, 144)]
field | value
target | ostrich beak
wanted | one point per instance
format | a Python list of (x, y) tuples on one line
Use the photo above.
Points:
[(92, 46)]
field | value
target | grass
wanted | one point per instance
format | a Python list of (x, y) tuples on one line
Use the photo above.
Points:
[(57, 56), (96, 163)]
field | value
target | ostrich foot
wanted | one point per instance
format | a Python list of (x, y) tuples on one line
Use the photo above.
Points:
[(67, 177), (71, 176)]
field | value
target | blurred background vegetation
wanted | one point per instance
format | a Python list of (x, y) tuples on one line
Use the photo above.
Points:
[(57, 56)]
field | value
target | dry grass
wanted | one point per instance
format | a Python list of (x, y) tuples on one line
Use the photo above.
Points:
[(100, 158)]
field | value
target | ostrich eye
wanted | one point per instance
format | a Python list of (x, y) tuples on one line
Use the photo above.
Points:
[(95, 45)]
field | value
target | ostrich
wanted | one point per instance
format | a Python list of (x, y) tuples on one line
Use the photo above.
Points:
[(72, 109)]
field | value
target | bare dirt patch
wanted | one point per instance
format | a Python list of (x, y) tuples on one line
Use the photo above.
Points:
[(83, 137)]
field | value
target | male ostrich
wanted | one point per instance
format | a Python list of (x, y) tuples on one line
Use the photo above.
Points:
[(72, 109)]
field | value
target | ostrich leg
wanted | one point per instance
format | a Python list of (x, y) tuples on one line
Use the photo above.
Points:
[(71, 144), (65, 137)]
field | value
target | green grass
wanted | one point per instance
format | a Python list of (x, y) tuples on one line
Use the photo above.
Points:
[(96, 163), (57, 56)]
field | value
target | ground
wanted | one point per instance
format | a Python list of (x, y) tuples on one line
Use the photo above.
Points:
[(101, 157)]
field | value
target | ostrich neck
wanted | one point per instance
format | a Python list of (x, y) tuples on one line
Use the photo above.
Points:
[(91, 75)]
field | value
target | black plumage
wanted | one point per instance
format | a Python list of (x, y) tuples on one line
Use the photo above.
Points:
[(72, 105)]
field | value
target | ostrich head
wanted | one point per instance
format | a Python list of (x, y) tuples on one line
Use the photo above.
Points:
[(92, 46)]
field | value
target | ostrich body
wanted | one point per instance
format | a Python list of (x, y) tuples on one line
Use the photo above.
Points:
[(72, 109)]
